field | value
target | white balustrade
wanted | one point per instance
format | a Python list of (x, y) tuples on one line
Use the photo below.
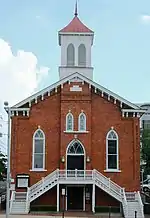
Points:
[(141, 207), (12, 199), (130, 196)]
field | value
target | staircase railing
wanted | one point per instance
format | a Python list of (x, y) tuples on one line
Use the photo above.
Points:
[(75, 175), (11, 200), (27, 201), (109, 185), (125, 204), (138, 197), (37, 186), (130, 196)]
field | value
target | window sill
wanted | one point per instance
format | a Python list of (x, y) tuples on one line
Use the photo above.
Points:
[(112, 171), (76, 132), (38, 170)]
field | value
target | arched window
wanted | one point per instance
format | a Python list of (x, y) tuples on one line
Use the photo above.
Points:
[(75, 157), (82, 122), (112, 151), (38, 161), (69, 122), (70, 55), (82, 55), (75, 148)]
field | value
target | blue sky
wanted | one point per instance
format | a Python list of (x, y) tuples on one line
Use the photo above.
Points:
[(121, 51)]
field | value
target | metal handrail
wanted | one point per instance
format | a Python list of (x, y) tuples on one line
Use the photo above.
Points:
[(11, 200)]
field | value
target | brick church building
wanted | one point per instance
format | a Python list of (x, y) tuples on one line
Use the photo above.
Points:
[(75, 138)]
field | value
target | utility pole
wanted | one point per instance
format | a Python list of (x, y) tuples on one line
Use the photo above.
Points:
[(7, 108)]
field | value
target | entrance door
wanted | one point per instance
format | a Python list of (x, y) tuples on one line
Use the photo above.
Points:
[(75, 162), (75, 198)]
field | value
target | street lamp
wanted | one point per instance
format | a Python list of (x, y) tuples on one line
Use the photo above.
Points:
[(7, 108)]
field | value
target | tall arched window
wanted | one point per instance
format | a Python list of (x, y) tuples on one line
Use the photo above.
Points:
[(112, 151), (70, 55), (69, 122), (82, 122), (38, 161), (82, 55)]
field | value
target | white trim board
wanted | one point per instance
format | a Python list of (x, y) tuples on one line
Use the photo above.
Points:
[(68, 78)]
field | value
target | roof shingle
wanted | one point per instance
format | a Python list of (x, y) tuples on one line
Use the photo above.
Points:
[(76, 26)]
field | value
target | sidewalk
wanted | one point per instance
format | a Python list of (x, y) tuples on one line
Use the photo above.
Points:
[(48, 216)]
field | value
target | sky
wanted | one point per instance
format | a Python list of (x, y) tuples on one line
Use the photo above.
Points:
[(30, 54)]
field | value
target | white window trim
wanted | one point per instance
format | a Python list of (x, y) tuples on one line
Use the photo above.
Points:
[(80, 132), (38, 170), (33, 168), (67, 122), (83, 64), (73, 61), (79, 122), (110, 169), (84, 154)]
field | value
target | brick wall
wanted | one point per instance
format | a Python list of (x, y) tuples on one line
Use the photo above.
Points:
[(50, 115)]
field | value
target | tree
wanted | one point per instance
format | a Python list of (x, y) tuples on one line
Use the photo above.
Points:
[(3, 169), (145, 150)]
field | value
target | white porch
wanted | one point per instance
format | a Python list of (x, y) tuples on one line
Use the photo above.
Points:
[(77, 177)]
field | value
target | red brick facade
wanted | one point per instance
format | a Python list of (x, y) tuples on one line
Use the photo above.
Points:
[(50, 115)]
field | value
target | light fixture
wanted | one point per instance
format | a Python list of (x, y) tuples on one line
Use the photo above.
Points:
[(87, 159), (62, 159)]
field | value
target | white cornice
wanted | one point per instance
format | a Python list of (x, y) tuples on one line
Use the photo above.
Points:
[(133, 112), (14, 111), (97, 87)]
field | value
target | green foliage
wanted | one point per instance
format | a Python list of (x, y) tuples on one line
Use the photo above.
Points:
[(145, 150), (3, 169)]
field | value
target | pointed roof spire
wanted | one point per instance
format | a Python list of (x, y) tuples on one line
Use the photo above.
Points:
[(76, 9)]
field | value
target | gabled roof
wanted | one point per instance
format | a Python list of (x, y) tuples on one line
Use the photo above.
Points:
[(75, 26), (69, 78)]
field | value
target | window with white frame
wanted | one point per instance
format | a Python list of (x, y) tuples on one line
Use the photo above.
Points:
[(82, 55), (38, 150), (112, 151), (82, 122), (69, 122), (70, 55)]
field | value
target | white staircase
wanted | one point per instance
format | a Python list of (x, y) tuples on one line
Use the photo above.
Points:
[(18, 203), (131, 202), (43, 186), (135, 205), (108, 186)]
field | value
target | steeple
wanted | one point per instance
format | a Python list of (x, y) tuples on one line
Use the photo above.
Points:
[(76, 9), (76, 42)]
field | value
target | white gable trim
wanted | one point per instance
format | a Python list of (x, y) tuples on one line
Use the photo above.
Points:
[(69, 78)]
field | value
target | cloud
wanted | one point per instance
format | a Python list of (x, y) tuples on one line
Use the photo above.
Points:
[(19, 74), (19, 78), (145, 19)]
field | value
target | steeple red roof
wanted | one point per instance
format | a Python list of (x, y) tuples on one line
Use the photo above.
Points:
[(76, 26)]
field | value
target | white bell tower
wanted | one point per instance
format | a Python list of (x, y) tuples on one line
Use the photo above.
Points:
[(76, 41)]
